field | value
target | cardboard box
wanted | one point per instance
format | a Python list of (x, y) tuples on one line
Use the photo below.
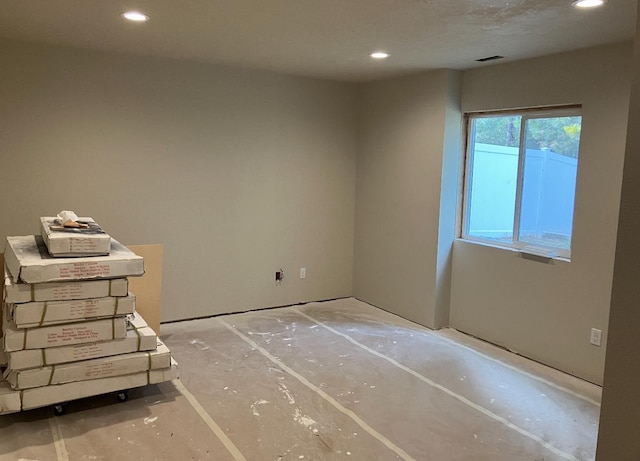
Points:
[(4, 360), (118, 365), (70, 242), (12, 401), (28, 261), (162, 375), (139, 338), (16, 339), (18, 292), (43, 313)]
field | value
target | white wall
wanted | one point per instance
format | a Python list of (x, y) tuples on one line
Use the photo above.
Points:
[(236, 172), (398, 264), (239, 173), (546, 311)]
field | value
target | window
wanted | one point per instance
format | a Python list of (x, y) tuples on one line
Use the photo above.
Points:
[(520, 179)]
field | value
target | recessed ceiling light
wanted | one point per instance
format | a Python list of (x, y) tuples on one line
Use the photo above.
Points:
[(135, 16), (588, 3), (379, 55)]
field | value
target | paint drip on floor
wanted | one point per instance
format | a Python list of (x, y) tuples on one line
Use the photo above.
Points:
[(255, 404), (150, 420), (286, 393), (304, 420)]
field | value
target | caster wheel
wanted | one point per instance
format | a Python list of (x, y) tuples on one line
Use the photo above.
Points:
[(123, 396), (58, 410)]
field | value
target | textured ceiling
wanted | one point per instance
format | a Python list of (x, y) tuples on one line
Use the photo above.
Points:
[(324, 38)]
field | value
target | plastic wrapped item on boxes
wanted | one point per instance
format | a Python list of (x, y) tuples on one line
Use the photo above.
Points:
[(70, 242)]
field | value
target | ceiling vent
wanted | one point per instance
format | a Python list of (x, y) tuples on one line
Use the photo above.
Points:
[(490, 58)]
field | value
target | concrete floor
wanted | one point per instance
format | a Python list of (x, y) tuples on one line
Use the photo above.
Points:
[(325, 381)]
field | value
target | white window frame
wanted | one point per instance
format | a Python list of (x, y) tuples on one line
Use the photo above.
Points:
[(525, 114)]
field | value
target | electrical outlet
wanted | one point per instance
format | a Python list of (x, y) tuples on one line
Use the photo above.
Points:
[(303, 272), (596, 337)]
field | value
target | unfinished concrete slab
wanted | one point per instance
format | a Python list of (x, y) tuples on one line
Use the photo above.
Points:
[(325, 381)]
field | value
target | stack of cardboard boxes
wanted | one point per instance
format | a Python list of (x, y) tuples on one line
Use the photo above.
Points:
[(69, 327)]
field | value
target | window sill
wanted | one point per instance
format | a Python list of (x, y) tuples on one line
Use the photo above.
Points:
[(531, 253)]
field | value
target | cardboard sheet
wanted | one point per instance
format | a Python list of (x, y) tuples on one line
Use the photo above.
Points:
[(28, 261), (15, 292), (60, 242), (139, 337), (118, 365), (43, 313), (16, 339), (148, 289)]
